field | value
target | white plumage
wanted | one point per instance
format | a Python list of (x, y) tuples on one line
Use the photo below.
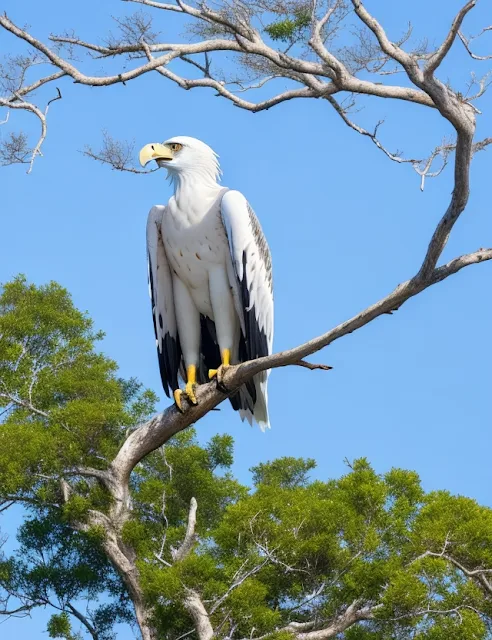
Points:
[(210, 277)]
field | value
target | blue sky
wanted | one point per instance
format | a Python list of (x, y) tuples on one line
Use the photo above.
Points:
[(345, 226)]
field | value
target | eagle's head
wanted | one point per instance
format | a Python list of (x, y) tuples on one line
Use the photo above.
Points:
[(182, 156)]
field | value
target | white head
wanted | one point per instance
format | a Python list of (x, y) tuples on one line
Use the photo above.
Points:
[(183, 157)]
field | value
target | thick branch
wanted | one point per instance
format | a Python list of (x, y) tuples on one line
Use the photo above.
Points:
[(390, 48), (162, 427), (353, 614), (439, 55), (242, 45), (190, 538), (459, 199), (196, 609)]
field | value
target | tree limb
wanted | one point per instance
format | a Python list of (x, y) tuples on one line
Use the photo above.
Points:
[(302, 630), (196, 609), (480, 575), (438, 56), (161, 428), (466, 44), (190, 538), (83, 619), (24, 404)]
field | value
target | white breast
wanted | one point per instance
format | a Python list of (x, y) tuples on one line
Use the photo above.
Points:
[(194, 247)]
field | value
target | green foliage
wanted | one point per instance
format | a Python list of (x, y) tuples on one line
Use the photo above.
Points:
[(61, 405), (62, 402), (59, 626), (57, 565), (284, 472), (290, 28), (358, 538)]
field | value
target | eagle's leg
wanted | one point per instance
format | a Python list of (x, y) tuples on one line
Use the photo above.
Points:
[(226, 322), (225, 356), (188, 321), (189, 390)]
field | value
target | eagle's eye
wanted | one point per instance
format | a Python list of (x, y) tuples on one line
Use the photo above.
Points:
[(175, 146)]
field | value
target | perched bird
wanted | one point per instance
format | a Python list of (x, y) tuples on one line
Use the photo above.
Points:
[(210, 275)]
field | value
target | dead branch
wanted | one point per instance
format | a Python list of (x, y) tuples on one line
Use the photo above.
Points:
[(196, 609), (466, 43), (190, 538), (119, 155), (438, 56), (312, 366), (20, 103), (161, 428)]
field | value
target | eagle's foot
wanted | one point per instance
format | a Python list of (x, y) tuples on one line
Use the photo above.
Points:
[(189, 390), (218, 374)]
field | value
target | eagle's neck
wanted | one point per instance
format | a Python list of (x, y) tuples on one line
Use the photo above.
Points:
[(194, 186), (194, 194)]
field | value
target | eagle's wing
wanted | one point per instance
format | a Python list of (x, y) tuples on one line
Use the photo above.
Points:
[(161, 293), (252, 286)]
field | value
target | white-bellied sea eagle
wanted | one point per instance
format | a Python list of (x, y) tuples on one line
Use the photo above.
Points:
[(210, 274)]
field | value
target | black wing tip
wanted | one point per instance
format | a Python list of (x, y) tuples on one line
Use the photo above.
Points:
[(169, 358), (256, 338)]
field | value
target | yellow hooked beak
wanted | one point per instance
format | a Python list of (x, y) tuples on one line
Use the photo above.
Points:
[(154, 151)]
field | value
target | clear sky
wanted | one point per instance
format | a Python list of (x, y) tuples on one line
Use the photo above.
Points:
[(345, 226)]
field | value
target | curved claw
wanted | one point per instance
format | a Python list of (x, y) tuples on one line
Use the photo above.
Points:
[(177, 399), (218, 374)]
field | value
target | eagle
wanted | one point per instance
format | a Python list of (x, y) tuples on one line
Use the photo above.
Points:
[(210, 279)]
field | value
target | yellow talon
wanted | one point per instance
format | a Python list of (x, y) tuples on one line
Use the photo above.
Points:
[(177, 399), (226, 361), (190, 392)]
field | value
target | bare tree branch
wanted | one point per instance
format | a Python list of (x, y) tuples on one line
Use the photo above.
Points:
[(118, 154), (162, 427), (24, 404), (84, 620), (466, 43), (190, 538), (438, 56), (312, 366), (196, 609), (28, 106), (392, 50)]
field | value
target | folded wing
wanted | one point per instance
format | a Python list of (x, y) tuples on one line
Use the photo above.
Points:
[(161, 293), (250, 277)]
